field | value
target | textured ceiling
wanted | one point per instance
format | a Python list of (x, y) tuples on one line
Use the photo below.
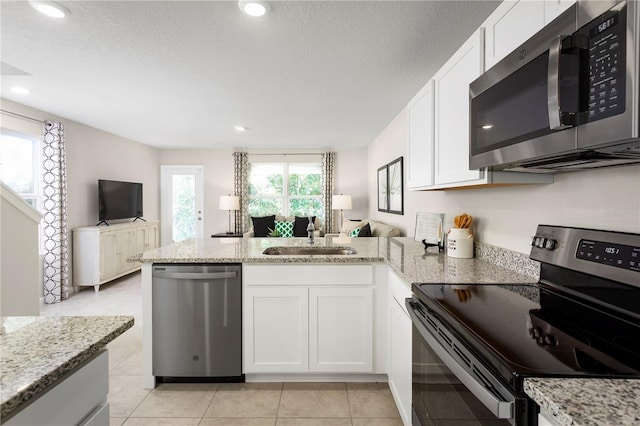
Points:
[(318, 74)]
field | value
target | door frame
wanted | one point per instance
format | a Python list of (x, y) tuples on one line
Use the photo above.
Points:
[(166, 201)]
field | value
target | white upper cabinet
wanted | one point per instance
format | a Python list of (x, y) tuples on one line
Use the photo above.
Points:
[(420, 149), (451, 85), (438, 143), (553, 8), (510, 25)]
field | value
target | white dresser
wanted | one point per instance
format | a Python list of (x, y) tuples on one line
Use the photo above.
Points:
[(100, 253)]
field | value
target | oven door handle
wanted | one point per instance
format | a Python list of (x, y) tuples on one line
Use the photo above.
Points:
[(501, 409)]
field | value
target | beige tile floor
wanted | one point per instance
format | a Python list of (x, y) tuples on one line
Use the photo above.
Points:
[(241, 404)]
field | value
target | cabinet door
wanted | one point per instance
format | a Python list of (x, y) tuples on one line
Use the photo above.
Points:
[(553, 8), (400, 362), (140, 240), (341, 329), (420, 150), (275, 329), (108, 255), (125, 249), (510, 25), (452, 113), (152, 237)]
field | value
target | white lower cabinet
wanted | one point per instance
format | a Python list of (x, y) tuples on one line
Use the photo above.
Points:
[(545, 419), (399, 344), (341, 329), (276, 329), (297, 320), (78, 399)]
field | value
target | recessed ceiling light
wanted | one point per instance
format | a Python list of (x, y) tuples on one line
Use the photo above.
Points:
[(487, 126), (50, 8), (240, 128), (20, 90), (253, 7)]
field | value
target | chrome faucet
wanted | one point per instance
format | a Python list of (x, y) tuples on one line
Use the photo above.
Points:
[(310, 231)]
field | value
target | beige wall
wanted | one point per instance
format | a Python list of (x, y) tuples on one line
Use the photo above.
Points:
[(607, 198), (218, 179), (93, 154)]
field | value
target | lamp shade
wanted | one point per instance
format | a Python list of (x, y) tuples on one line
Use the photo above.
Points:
[(341, 202), (229, 202)]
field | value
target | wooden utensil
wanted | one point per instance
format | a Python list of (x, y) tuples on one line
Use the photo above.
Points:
[(462, 221)]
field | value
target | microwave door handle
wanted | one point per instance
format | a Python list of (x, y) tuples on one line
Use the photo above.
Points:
[(553, 85)]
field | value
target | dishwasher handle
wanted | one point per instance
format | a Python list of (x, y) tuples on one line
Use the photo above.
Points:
[(196, 275)]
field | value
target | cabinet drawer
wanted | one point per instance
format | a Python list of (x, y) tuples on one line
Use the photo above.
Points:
[(307, 274), (89, 386)]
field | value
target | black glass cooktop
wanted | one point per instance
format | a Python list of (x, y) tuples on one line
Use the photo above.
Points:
[(539, 330)]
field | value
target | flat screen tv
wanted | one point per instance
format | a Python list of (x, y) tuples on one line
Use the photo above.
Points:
[(119, 200)]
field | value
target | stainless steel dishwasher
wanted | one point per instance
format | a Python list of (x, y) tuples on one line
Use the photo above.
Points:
[(197, 322)]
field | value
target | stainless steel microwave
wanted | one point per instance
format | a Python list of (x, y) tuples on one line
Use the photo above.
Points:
[(567, 99)]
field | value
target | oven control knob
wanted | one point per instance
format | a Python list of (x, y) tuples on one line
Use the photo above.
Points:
[(541, 242), (533, 241), (550, 244)]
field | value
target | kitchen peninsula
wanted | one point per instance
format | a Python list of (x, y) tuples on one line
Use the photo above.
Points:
[(393, 264)]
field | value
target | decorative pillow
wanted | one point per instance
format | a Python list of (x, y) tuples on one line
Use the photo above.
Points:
[(349, 225), (262, 224), (354, 233), (284, 228), (365, 231), (300, 226)]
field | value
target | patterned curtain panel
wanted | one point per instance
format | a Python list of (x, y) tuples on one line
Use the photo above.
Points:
[(241, 189), (54, 210), (328, 184)]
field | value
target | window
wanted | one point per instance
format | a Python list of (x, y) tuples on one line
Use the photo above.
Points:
[(285, 189), (20, 165)]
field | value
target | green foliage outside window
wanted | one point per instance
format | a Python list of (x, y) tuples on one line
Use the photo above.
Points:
[(304, 190)]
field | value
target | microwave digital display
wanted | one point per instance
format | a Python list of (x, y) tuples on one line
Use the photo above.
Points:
[(604, 26)]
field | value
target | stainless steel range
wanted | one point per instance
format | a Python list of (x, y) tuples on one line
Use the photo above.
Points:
[(473, 347)]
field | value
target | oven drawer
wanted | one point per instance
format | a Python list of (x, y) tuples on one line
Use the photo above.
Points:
[(445, 371)]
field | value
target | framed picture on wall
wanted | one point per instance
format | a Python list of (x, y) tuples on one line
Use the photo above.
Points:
[(383, 199), (395, 187)]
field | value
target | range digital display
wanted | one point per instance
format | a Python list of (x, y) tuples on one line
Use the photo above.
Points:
[(618, 255)]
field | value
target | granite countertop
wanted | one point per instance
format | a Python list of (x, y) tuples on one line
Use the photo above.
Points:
[(405, 256), (587, 402), (35, 352), (408, 259)]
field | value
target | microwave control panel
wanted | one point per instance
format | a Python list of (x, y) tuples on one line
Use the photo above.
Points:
[(607, 65)]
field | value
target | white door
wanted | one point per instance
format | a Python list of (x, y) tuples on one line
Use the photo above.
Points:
[(182, 201)]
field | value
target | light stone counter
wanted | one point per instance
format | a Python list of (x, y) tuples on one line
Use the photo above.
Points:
[(405, 256), (36, 352), (587, 402), (408, 259)]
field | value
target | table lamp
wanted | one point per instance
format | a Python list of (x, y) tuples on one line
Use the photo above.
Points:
[(342, 203), (228, 203)]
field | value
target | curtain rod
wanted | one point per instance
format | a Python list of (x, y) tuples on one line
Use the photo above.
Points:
[(24, 117), (285, 154)]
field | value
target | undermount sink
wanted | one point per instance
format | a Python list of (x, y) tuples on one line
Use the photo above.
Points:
[(302, 251)]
